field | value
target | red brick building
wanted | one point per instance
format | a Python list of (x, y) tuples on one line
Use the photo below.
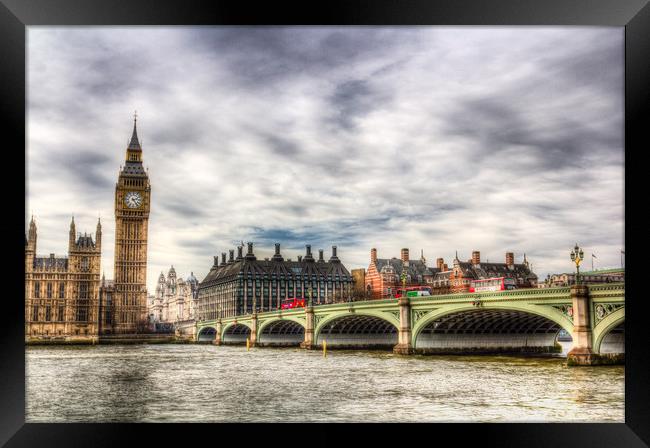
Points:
[(383, 275), (463, 272)]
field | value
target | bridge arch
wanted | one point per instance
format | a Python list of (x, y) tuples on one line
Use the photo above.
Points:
[(235, 333), (281, 332), (361, 329), (500, 328), (206, 334), (610, 330)]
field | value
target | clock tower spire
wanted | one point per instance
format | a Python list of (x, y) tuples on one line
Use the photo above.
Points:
[(132, 205)]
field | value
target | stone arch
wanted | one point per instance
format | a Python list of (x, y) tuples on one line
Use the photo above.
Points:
[(281, 332), (235, 333), (499, 328), (361, 329), (605, 326), (206, 334)]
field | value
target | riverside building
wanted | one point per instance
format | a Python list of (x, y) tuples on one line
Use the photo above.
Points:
[(244, 285)]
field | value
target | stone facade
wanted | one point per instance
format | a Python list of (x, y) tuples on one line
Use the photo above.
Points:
[(62, 293), (175, 299), (132, 205), (245, 285)]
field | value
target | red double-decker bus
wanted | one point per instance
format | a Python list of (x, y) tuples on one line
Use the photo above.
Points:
[(414, 291), (293, 302), (492, 284)]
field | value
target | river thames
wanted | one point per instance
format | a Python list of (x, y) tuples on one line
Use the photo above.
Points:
[(207, 383)]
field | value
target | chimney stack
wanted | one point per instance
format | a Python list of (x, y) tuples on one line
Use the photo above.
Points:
[(250, 255), (476, 257), (240, 249), (320, 256), (440, 263), (334, 258), (232, 256), (445, 268), (405, 255), (373, 255), (510, 259), (216, 261), (308, 255), (223, 258), (277, 255)]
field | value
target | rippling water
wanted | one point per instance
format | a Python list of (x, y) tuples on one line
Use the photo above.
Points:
[(206, 383)]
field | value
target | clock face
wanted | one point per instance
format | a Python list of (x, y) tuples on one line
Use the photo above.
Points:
[(133, 199)]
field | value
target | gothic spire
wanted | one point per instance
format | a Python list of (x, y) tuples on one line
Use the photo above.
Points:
[(135, 143)]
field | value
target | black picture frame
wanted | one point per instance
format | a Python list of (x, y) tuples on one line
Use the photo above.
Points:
[(634, 15)]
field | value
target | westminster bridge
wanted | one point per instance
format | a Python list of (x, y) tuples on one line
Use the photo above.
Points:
[(522, 320)]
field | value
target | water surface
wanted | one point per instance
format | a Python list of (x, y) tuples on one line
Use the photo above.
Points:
[(206, 383)]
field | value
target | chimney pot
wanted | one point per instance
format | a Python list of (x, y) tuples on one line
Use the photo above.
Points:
[(405, 254), (232, 256), (277, 248), (476, 257), (223, 258), (373, 255)]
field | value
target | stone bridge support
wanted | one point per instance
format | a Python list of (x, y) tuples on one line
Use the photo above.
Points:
[(582, 353), (253, 336), (404, 346), (217, 339), (308, 343)]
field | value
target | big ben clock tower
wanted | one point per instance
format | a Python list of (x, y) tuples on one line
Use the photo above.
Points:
[(132, 203)]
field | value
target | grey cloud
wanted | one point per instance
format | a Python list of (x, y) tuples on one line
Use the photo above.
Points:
[(358, 136)]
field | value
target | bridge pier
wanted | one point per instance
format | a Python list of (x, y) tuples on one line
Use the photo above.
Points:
[(253, 336), (309, 343), (582, 354), (217, 338), (404, 346)]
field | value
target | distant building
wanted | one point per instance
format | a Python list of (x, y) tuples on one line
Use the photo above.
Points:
[(359, 279), (62, 293), (463, 272), (244, 284), (598, 276), (175, 299), (383, 277)]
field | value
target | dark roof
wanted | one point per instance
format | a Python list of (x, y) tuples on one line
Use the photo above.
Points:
[(489, 270), (85, 241), (134, 144), (269, 268), (51, 263), (416, 268), (133, 168)]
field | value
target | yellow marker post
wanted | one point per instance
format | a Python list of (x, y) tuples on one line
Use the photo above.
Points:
[(324, 348), (248, 344)]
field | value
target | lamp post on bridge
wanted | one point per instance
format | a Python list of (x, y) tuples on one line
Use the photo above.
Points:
[(403, 278), (577, 255)]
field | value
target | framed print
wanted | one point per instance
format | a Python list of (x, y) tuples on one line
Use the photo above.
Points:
[(358, 212)]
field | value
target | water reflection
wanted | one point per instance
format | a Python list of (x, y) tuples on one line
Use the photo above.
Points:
[(187, 383)]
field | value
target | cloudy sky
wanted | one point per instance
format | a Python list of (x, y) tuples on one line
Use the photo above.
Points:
[(439, 139)]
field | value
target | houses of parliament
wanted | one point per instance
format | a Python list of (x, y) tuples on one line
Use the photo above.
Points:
[(65, 298)]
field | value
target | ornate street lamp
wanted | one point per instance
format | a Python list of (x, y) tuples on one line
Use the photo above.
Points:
[(577, 255), (310, 299), (403, 278)]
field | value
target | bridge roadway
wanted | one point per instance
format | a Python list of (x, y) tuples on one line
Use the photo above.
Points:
[(523, 320)]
